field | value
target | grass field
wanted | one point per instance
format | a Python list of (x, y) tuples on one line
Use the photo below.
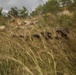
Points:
[(21, 53)]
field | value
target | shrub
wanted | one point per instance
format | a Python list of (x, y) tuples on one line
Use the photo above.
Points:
[(65, 20)]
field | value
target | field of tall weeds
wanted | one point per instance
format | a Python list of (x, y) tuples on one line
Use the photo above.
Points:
[(27, 52)]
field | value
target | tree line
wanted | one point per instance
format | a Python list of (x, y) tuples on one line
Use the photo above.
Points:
[(15, 12), (54, 6), (51, 6)]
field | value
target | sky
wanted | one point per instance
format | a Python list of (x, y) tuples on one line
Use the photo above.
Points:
[(29, 4)]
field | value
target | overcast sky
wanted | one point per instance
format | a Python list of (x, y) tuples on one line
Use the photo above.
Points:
[(29, 4)]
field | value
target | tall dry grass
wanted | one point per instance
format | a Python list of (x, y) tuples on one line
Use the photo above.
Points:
[(29, 55)]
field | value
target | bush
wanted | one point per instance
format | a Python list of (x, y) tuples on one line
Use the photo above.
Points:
[(65, 20)]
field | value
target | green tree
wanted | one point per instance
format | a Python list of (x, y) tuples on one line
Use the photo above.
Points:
[(23, 12), (1, 11), (13, 11), (38, 10), (51, 6), (64, 3)]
